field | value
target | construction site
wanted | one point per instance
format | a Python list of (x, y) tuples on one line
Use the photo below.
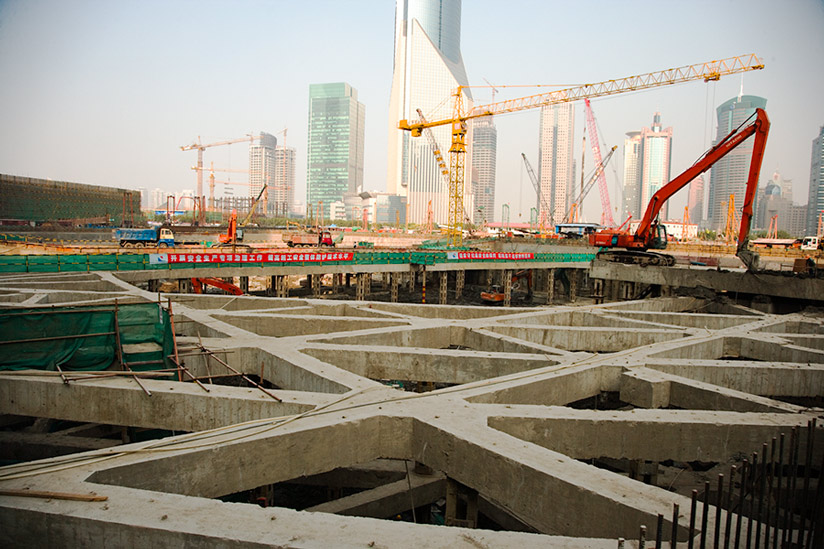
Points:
[(300, 387)]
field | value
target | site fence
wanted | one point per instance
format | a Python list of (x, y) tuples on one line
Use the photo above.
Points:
[(54, 263)]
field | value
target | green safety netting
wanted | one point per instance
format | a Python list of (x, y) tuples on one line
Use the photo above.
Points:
[(83, 338)]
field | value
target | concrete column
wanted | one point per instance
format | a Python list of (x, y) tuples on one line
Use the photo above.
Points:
[(184, 285), (489, 276), (550, 285), (460, 278), (461, 505), (335, 283), (507, 287), (393, 287), (598, 290), (244, 284), (315, 281), (412, 275), (367, 287), (282, 285), (627, 291), (360, 283), (154, 285), (385, 279), (443, 286), (666, 291), (573, 284), (348, 280)]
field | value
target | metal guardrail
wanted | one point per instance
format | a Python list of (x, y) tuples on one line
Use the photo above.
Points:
[(54, 263)]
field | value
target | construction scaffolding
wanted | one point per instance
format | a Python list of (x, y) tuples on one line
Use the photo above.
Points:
[(31, 200)]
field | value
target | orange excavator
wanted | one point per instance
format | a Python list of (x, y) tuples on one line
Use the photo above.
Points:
[(199, 283), (496, 295), (651, 234)]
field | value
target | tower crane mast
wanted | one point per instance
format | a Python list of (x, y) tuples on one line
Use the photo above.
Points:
[(708, 71)]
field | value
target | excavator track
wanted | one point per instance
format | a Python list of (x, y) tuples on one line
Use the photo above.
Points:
[(636, 257)]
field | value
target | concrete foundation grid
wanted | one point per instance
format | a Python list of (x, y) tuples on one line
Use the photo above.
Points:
[(545, 420)]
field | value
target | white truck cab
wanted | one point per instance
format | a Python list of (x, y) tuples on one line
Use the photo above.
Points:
[(810, 243)]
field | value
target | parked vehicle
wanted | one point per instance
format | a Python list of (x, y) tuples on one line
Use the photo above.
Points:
[(812, 243), (160, 237), (324, 238)]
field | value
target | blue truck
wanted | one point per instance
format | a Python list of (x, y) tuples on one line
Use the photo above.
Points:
[(161, 237)]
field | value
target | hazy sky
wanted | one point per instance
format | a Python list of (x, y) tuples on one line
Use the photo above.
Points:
[(105, 92)]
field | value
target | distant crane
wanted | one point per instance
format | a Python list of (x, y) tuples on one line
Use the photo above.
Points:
[(594, 142), (543, 207), (577, 204), (200, 147), (461, 115)]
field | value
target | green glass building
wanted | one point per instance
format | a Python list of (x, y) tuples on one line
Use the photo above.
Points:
[(336, 138)]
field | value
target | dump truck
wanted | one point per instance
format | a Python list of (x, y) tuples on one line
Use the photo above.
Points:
[(324, 238), (160, 237)]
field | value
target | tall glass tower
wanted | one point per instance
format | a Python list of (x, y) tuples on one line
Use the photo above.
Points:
[(729, 175), (654, 173), (428, 68), (262, 168), (815, 200), (556, 169), (484, 162), (336, 139)]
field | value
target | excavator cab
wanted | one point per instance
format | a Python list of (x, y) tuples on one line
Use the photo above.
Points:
[(659, 237)]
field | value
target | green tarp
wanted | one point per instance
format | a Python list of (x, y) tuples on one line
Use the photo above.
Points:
[(83, 338)]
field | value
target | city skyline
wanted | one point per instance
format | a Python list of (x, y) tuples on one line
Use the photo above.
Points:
[(113, 108)]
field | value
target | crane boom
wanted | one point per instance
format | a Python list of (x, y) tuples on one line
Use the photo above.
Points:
[(534, 178), (606, 207), (708, 71), (599, 170)]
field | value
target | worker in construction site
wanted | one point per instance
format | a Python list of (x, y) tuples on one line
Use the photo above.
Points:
[(812, 268)]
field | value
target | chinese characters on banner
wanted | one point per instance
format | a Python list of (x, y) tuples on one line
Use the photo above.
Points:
[(489, 255), (258, 258)]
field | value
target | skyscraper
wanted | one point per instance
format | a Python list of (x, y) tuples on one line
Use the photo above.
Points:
[(729, 175), (815, 199), (646, 166), (282, 197), (262, 168), (484, 161), (654, 173), (428, 68), (632, 191), (336, 138), (556, 170)]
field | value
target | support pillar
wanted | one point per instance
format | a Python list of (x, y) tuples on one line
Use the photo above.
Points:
[(507, 287), (348, 280), (423, 283), (550, 285), (489, 277), (154, 285), (184, 285), (461, 505), (443, 287), (335, 282), (412, 275), (627, 291), (315, 281), (598, 290), (393, 287), (360, 283), (244, 284), (281, 285), (460, 278), (573, 284)]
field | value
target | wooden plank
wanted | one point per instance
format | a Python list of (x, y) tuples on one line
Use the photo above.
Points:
[(53, 495)]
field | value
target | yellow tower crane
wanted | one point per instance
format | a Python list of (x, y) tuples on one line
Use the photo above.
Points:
[(708, 71)]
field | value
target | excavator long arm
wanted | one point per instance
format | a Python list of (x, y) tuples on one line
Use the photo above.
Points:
[(760, 128)]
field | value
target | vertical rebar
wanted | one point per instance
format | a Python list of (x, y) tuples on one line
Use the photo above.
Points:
[(741, 487), (718, 506), (808, 462), (762, 482), (790, 489), (816, 537), (659, 531), (705, 517), (693, 509), (779, 480), (751, 489), (674, 537), (771, 471), (733, 468), (642, 537)]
